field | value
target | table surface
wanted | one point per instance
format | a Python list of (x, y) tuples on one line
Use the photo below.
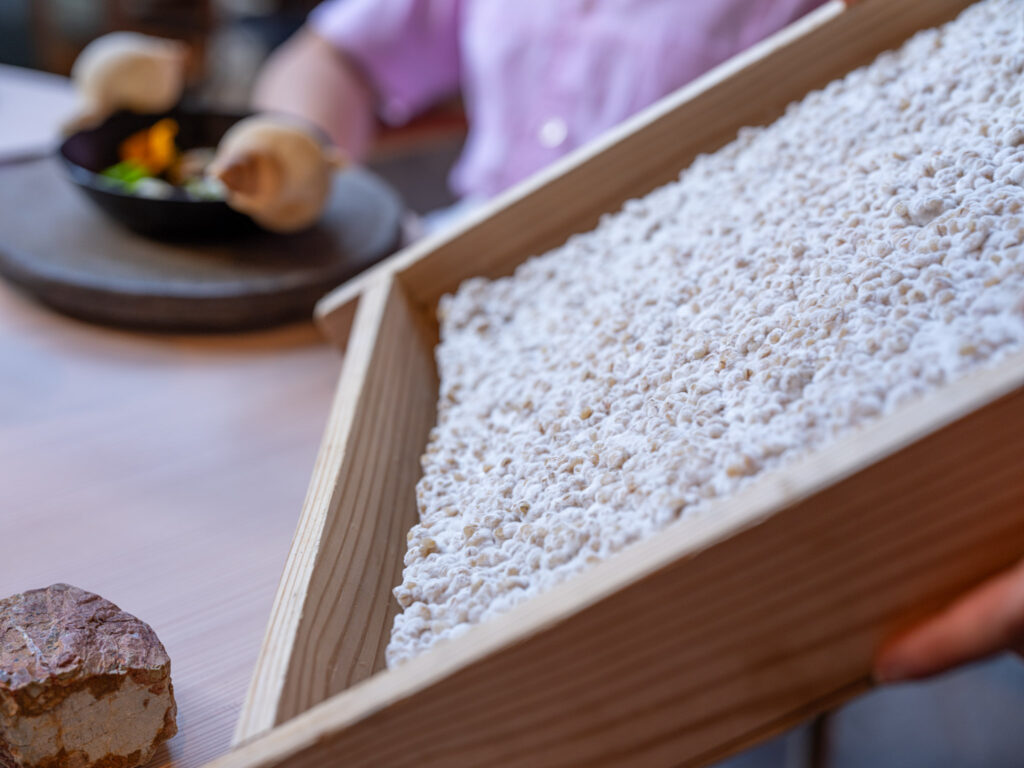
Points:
[(165, 473)]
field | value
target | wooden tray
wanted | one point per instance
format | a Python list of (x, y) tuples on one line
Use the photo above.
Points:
[(704, 639), (71, 256)]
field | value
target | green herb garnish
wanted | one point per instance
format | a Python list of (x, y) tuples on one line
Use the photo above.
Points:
[(126, 174)]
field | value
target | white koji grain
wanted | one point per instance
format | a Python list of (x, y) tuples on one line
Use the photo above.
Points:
[(811, 276)]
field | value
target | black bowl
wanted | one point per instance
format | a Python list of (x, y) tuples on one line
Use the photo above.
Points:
[(178, 217)]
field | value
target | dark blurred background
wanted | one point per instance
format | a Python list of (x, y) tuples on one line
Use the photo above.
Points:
[(230, 39)]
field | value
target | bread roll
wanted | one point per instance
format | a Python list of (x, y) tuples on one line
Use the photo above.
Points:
[(82, 683), (277, 171), (127, 70)]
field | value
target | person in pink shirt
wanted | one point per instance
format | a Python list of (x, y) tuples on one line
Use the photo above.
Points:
[(538, 77)]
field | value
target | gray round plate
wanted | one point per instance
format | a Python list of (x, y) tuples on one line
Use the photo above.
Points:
[(64, 251)]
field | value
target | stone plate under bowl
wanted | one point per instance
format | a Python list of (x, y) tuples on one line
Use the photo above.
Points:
[(179, 217), (57, 247)]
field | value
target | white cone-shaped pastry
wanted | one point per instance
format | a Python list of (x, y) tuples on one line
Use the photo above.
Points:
[(276, 170), (127, 70)]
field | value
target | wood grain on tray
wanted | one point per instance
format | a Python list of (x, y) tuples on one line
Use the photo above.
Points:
[(788, 587)]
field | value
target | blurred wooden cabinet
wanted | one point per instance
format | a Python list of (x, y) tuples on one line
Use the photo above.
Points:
[(61, 28)]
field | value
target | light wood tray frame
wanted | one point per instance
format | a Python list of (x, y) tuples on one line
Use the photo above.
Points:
[(712, 635)]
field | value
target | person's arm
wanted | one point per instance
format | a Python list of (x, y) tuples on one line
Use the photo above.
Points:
[(356, 60), (987, 620), (309, 77)]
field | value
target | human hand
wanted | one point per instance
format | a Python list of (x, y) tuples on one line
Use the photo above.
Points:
[(985, 621)]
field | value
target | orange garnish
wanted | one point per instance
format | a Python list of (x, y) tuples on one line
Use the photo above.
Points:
[(153, 148)]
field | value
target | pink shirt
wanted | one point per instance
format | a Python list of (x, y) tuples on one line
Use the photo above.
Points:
[(539, 77)]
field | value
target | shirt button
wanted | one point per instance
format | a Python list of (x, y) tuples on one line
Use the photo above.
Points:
[(553, 132)]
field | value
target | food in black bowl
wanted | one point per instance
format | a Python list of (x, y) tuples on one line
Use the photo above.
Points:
[(147, 172)]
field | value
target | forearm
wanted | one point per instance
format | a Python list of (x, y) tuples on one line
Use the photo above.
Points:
[(307, 77)]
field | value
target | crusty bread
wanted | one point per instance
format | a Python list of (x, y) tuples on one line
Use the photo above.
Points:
[(127, 70), (82, 683), (277, 171)]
